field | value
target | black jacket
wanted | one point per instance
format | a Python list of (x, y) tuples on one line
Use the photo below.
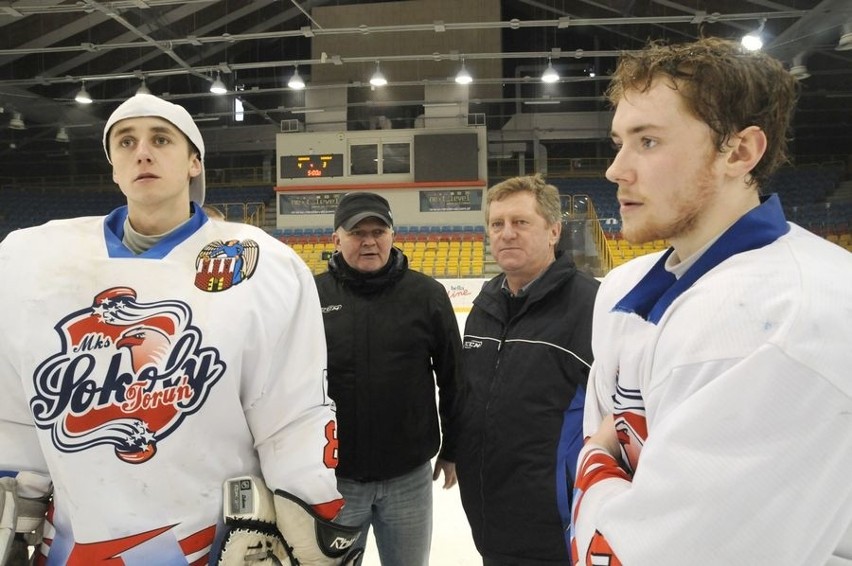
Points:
[(521, 427), (386, 334)]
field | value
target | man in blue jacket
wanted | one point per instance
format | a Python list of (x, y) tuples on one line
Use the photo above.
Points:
[(527, 354)]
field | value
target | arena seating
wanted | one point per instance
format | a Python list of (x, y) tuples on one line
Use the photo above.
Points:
[(439, 251), (622, 251), (22, 207), (797, 186), (803, 192), (445, 250)]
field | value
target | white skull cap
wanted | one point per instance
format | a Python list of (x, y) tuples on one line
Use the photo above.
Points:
[(150, 105)]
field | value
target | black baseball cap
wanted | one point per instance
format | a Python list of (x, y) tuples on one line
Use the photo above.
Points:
[(355, 207)]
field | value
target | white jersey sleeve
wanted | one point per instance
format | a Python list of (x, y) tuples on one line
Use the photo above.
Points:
[(289, 411)]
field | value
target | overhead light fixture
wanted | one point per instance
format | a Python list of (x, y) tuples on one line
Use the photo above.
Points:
[(239, 110), (799, 72), (296, 82), (218, 87), (845, 41), (798, 68), (17, 122), (541, 102), (62, 135), (463, 77), (83, 96), (549, 75), (378, 79), (752, 40), (143, 88)]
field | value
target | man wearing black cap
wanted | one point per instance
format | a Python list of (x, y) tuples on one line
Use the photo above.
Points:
[(387, 329)]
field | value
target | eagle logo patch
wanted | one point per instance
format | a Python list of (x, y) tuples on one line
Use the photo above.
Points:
[(221, 265)]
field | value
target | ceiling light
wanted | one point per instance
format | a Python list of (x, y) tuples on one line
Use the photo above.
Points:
[(218, 87), (17, 122), (463, 76), (549, 75), (62, 135), (143, 88), (752, 40), (239, 110), (83, 96), (845, 41), (800, 72), (296, 82), (378, 79), (798, 68)]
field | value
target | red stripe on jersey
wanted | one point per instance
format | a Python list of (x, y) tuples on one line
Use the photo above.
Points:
[(600, 553), (329, 510), (198, 541), (104, 553), (598, 465)]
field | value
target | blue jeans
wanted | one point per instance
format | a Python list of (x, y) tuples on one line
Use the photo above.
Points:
[(400, 511)]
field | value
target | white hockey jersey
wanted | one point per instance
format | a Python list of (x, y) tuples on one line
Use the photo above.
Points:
[(731, 389), (141, 383)]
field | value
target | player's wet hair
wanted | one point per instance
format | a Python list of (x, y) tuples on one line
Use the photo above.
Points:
[(723, 85)]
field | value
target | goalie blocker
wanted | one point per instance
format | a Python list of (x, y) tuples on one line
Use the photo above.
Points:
[(270, 529), (21, 520)]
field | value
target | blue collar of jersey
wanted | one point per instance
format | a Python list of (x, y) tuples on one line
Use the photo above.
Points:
[(114, 234), (659, 288)]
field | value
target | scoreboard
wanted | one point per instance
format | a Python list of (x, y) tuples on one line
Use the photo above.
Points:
[(307, 166)]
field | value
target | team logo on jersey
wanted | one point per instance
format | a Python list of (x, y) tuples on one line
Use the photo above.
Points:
[(127, 374), (221, 265)]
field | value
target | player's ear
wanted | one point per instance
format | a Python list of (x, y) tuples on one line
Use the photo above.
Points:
[(746, 149), (335, 239), (195, 166)]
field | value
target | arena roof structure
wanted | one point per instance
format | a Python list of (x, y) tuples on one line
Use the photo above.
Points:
[(50, 50)]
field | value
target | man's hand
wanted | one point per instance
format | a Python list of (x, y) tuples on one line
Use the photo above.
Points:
[(607, 438), (449, 469)]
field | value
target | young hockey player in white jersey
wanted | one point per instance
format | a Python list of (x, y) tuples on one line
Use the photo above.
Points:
[(149, 356), (719, 406)]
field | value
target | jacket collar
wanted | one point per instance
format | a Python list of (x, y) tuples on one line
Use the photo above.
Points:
[(393, 270), (494, 301)]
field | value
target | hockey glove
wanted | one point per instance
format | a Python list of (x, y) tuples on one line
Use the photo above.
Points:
[(255, 521), (316, 541)]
